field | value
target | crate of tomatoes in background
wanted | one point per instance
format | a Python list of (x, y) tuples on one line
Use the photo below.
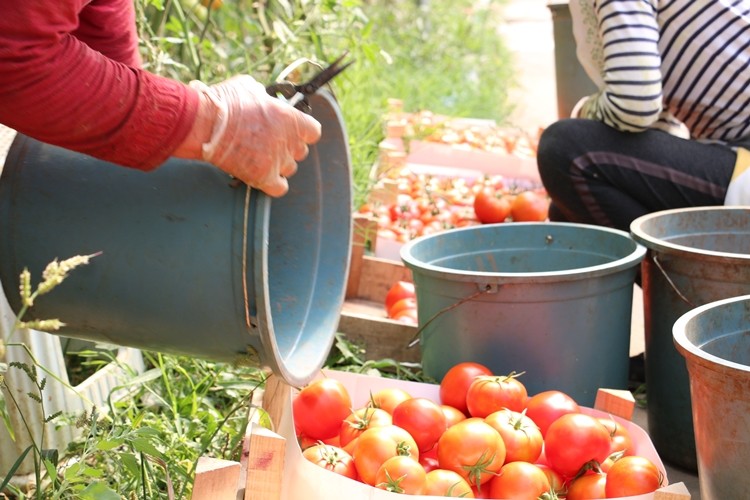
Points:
[(475, 435)]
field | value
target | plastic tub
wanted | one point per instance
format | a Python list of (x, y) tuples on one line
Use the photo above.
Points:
[(695, 256), (715, 341), (189, 264), (553, 300)]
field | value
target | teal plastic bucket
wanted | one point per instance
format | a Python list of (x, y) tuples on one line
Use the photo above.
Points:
[(553, 300), (189, 264), (715, 342), (695, 256)]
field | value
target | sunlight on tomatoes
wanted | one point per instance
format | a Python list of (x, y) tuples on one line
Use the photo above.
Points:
[(632, 475), (455, 383), (529, 206), (320, 407)]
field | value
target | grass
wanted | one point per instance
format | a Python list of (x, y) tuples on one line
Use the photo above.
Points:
[(447, 58)]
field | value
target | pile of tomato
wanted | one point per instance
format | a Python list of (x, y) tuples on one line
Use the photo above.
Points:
[(401, 302), (485, 438), (427, 204)]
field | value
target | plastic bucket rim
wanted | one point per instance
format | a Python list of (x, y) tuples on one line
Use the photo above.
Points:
[(626, 262), (259, 258), (662, 245), (685, 346)]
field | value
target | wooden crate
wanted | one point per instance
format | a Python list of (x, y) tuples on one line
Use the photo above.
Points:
[(363, 317)]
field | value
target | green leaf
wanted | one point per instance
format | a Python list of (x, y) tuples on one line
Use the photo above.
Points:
[(108, 444), (99, 491), (14, 467), (130, 463), (145, 446)]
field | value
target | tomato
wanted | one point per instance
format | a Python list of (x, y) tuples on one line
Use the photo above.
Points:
[(378, 444), (388, 399), (305, 442), (523, 439), (492, 206), (452, 415), (573, 440), (488, 394), (401, 474), (399, 290), (446, 483), (631, 476), (429, 459), (519, 481), (331, 458), (320, 407), (556, 481), (587, 487), (529, 206), (408, 316), (402, 304), (546, 407), (359, 421), (423, 419), (622, 442), (455, 383), (473, 449)]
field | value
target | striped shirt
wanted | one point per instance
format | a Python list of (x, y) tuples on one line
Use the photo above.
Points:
[(662, 62)]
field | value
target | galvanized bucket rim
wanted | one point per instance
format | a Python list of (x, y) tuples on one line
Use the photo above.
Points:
[(626, 262), (661, 245), (686, 347)]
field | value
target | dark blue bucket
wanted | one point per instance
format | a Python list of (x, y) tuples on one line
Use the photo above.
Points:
[(189, 264)]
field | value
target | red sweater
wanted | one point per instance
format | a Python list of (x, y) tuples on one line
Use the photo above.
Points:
[(70, 76)]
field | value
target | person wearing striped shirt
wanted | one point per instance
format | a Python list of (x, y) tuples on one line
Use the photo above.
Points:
[(670, 124)]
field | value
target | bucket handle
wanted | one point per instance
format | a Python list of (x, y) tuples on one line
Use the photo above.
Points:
[(655, 258), (488, 288)]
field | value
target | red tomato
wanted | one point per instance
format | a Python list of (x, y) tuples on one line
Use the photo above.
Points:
[(519, 481), (452, 415), (446, 483), (361, 420), (529, 206), (402, 304), (587, 487), (331, 458), (320, 407), (429, 459), (546, 407), (573, 440), (388, 399), (401, 474), (488, 394), (492, 206), (305, 442), (378, 444), (523, 439), (556, 481), (473, 449), (631, 476), (622, 442), (399, 290), (408, 316), (423, 419), (455, 384)]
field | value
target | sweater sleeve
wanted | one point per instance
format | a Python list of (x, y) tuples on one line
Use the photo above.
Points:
[(631, 97), (60, 89)]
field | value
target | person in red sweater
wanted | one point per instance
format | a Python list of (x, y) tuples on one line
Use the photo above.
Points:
[(71, 76)]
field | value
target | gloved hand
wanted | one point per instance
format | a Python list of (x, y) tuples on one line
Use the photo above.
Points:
[(257, 138)]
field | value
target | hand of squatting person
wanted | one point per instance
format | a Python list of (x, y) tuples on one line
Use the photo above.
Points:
[(256, 138)]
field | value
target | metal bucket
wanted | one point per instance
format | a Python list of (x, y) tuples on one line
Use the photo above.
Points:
[(715, 341), (695, 256), (553, 300), (189, 264)]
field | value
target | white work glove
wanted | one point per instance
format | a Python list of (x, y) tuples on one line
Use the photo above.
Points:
[(257, 138)]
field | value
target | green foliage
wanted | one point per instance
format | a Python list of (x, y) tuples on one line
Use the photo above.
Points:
[(446, 57)]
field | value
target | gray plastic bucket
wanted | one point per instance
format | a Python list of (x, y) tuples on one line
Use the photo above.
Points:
[(553, 300), (715, 341), (186, 256), (695, 256)]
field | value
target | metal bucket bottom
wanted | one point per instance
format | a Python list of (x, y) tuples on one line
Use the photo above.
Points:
[(715, 341), (547, 299), (695, 256), (189, 264)]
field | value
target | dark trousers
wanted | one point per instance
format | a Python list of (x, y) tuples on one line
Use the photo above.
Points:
[(597, 175)]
